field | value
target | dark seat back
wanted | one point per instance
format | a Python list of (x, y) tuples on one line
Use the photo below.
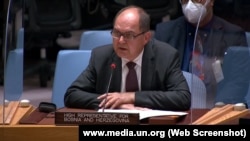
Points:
[(157, 9), (236, 67), (53, 15)]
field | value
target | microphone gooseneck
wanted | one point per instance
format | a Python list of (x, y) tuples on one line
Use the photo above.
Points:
[(112, 66)]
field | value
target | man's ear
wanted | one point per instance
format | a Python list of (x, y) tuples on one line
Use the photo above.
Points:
[(148, 36)]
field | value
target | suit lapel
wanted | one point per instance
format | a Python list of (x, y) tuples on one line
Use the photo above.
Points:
[(215, 38), (147, 66), (179, 37)]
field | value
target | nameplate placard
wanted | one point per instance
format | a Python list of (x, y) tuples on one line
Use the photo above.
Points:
[(90, 118)]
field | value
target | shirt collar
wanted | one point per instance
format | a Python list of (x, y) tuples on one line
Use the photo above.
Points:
[(137, 60)]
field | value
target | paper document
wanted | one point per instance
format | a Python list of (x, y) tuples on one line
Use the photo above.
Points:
[(145, 113)]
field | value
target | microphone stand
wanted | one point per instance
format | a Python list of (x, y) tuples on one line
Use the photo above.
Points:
[(110, 78)]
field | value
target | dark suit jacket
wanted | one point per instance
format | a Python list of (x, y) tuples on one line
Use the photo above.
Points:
[(220, 36), (163, 85)]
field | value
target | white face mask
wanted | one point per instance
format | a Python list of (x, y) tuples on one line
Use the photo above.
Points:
[(193, 11)]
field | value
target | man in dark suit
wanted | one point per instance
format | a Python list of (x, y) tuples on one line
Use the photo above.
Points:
[(215, 36), (161, 84)]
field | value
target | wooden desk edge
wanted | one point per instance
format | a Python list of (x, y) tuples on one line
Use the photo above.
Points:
[(39, 133)]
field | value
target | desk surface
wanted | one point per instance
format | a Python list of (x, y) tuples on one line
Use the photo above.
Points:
[(46, 130), (13, 130)]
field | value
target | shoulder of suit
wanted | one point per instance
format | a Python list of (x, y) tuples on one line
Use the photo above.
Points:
[(171, 24), (224, 24), (161, 44)]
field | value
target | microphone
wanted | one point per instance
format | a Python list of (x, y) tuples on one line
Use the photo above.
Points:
[(112, 66)]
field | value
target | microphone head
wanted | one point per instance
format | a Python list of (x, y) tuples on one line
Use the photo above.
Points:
[(113, 66)]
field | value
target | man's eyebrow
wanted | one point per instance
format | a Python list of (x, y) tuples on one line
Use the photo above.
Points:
[(126, 32)]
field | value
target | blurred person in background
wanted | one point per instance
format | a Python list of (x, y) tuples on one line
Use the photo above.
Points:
[(207, 45)]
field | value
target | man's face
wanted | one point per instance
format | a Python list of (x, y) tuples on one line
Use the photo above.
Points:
[(128, 39), (197, 9)]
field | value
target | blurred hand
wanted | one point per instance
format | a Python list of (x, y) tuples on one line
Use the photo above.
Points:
[(116, 100)]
